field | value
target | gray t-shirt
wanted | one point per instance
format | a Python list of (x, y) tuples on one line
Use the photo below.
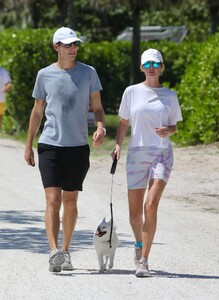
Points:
[(67, 96)]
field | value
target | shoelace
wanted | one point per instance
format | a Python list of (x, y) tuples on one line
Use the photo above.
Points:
[(144, 263), (67, 257)]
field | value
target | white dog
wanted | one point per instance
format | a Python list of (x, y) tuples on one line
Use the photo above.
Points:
[(101, 241)]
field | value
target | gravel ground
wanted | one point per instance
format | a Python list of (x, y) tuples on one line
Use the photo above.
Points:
[(184, 260)]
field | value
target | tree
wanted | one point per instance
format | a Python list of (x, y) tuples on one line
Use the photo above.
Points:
[(213, 7)]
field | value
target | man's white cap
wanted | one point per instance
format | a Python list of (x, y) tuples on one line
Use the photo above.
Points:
[(151, 55), (65, 35)]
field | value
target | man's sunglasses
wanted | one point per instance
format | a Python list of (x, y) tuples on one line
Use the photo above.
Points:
[(76, 44), (154, 64)]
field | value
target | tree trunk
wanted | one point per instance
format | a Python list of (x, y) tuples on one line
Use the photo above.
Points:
[(214, 15), (136, 39), (71, 14)]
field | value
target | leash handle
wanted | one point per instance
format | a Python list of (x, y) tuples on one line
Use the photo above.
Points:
[(114, 164)]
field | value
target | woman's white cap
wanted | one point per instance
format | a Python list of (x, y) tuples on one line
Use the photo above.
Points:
[(151, 55)]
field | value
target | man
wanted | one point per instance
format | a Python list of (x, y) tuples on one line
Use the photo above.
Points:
[(64, 90), (5, 86)]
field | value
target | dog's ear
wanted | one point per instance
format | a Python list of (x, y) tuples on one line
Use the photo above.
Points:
[(109, 222), (104, 220)]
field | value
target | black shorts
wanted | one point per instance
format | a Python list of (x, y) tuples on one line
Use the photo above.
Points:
[(64, 167)]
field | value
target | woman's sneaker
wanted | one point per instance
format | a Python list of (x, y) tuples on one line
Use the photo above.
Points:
[(142, 268), (137, 255), (67, 265), (56, 259)]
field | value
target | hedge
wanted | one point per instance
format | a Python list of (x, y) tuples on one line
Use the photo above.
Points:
[(191, 69), (198, 93)]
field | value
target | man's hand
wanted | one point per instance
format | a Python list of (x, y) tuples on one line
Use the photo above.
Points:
[(98, 137), (29, 156)]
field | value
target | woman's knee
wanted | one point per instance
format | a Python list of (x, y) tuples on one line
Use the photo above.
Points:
[(151, 207), (135, 218)]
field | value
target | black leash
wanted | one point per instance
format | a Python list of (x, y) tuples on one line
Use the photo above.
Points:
[(112, 171)]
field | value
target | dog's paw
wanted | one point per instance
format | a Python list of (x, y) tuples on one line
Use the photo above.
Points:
[(110, 265)]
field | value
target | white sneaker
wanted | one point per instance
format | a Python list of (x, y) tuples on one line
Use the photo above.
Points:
[(56, 259), (67, 265), (137, 255), (142, 268)]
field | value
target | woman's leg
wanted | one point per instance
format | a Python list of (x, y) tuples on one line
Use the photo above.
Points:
[(155, 190), (136, 200)]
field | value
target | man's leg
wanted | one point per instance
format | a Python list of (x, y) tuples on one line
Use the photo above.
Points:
[(52, 219), (69, 218)]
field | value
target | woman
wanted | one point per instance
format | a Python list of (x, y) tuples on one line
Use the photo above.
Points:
[(153, 112)]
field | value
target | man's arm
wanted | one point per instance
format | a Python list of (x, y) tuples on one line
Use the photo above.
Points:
[(99, 114), (34, 125), (7, 87)]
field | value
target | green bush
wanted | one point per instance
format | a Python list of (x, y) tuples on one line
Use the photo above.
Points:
[(112, 62), (30, 51), (198, 94), (191, 69)]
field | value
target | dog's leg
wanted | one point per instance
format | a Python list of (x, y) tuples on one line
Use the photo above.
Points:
[(106, 260), (111, 260), (101, 264)]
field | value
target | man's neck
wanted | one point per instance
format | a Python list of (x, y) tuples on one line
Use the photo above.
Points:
[(65, 65)]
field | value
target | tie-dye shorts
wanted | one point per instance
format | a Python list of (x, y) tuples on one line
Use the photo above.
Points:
[(146, 163)]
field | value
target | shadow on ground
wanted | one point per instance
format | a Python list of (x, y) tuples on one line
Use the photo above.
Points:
[(25, 230)]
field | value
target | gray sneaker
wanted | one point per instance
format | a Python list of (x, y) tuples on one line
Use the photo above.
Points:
[(142, 268), (67, 265), (56, 259), (137, 255)]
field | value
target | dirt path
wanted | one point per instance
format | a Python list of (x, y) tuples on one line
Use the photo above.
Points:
[(184, 261)]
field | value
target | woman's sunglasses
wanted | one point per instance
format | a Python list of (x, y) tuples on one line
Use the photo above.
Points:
[(76, 44), (154, 64)]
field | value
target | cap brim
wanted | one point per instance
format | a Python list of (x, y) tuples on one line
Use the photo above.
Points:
[(71, 40), (150, 58)]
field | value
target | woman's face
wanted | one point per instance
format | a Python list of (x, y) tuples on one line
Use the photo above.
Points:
[(152, 68)]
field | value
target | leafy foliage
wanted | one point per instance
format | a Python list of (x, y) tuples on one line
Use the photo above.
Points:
[(192, 69), (30, 51), (198, 94)]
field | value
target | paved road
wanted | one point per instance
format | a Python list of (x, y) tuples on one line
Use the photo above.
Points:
[(185, 255)]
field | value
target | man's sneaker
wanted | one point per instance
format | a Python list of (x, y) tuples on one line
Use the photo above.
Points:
[(67, 265), (142, 268), (137, 255), (56, 259)]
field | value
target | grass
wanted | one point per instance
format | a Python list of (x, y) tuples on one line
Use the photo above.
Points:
[(105, 149)]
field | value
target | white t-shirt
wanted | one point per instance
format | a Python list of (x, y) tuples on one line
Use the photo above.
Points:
[(147, 108), (4, 79)]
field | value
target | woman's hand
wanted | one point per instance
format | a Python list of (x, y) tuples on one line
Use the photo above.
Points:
[(166, 131), (162, 131), (116, 152)]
